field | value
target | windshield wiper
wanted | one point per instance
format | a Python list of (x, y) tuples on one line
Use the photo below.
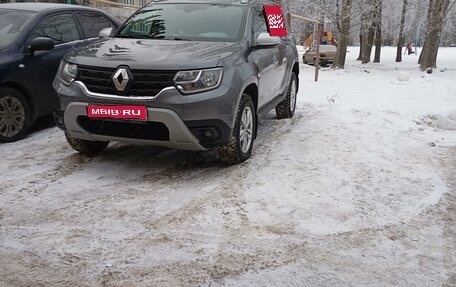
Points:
[(152, 37), (177, 39), (131, 36), (123, 36)]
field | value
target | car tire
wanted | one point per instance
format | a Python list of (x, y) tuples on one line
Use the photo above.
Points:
[(15, 115), (286, 108), (239, 147), (85, 147)]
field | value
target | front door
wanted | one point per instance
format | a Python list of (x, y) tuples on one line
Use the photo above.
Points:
[(43, 65), (265, 60)]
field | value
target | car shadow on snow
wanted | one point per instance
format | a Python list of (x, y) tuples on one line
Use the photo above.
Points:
[(160, 157), (42, 123), (154, 159)]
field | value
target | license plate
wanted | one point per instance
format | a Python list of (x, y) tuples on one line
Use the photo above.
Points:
[(117, 112)]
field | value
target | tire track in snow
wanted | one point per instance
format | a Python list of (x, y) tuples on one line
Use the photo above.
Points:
[(242, 246), (228, 198)]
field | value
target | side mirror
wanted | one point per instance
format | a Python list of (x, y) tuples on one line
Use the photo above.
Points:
[(264, 39), (106, 32), (40, 44)]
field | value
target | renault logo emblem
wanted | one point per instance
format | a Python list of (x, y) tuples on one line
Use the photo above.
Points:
[(121, 79)]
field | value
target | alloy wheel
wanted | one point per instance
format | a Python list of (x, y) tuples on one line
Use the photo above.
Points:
[(293, 95), (12, 116), (246, 129)]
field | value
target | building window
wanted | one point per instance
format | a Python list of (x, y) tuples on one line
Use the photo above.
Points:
[(128, 2)]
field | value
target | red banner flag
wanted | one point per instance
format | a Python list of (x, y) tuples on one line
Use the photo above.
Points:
[(275, 21)]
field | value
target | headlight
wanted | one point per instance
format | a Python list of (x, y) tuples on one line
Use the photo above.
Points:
[(198, 80), (67, 72)]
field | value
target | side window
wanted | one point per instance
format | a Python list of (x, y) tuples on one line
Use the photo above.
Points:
[(61, 28), (259, 23), (93, 23)]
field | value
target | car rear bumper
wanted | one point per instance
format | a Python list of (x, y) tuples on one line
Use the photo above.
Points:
[(323, 60)]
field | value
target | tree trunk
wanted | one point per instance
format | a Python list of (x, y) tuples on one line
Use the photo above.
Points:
[(400, 43), (337, 16), (344, 34), (428, 26), (378, 32), (437, 13), (369, 34), (367, 44), (362, 28), (360, 56)]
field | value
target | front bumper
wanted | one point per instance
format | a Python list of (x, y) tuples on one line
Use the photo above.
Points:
[(194, 122), (179, 135)]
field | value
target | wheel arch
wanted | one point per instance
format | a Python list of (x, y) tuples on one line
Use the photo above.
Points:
[(252, 91), (296, 71)]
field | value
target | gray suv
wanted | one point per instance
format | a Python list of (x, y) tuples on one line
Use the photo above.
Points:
[(180, 74)]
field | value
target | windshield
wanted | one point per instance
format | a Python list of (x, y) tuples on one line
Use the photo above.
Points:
[(191, 22), (12, 22)]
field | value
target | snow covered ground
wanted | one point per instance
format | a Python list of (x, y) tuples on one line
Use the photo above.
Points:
[(358, 189)]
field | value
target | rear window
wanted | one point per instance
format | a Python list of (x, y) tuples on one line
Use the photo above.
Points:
[(93, 23), (193, 22), (59, 27)]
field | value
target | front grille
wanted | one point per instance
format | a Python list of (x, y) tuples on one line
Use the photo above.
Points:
[(124, 129), (146, 83)]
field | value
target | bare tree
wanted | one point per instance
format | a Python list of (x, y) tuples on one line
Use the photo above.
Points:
[(438, 10), (415, 19), (369, 32), (344, 34), (400, 42), (362, 30), (378, 30)]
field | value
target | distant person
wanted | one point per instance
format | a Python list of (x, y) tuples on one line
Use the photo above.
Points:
[(410, 48)]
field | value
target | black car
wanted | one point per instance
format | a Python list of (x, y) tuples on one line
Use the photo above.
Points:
[(33, 39)]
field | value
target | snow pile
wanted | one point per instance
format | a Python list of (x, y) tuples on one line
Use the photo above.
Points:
[(452, 115), (403, 77), (441, 122)]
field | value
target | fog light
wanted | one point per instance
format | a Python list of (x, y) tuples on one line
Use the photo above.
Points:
[(58, 120), (208, 134)]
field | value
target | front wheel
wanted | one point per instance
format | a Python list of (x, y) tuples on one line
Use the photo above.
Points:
[(286, 108), (239, 147), (15, 116), (85, 147)]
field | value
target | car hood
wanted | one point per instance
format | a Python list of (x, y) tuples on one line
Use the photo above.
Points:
[(153, 54)]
